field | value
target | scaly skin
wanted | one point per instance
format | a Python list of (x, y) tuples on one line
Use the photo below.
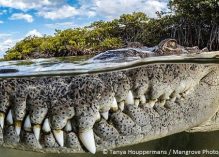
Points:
[(108, 110)]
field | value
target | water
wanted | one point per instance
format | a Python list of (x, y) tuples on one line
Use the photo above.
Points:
[(183, 141), (80, 65)]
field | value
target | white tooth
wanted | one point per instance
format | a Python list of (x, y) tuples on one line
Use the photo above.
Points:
[(130, 98), (2, 118), (187, 92), (137, 102), (114, 105), (182, 86), (98, 116), (105, 115), (36, 131), (178, 96), (68, 126), (59, 137), (143, 99), (162, 103), (121, 105), (18, 127), (87, 138), (10, 118), (173, 99), (27, 124), (46, 125), (151, 103)]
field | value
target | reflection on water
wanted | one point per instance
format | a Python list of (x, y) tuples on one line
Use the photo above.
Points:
[(182, 141), (82, 64)]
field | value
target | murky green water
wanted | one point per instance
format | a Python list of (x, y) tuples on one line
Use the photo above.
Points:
[(201, 143), (206, 143)]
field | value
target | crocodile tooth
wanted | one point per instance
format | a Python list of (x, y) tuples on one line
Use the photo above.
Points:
[(59, 137), (27, 124), (68, 126), (98, 116), (121, 105), (187, 92), (151, 103), (143, 99), (87, 138), (2, 118), (46, 125), (105, 115), (173, 99), (178, 96), (162, 103), (18, 127), (137, 102), (36, 131), (9, 118), (114, 106), (130, 98)]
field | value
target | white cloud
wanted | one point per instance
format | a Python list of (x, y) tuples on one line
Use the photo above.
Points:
[(3, 35), (1, 22), (34, 32), (6, 43), (22, 16), (3, 12), (65, 11), (60, 9), (9, 40), (113, 9), (61, 25), (27, 4)]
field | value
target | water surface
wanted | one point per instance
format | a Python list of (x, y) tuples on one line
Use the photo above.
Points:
[(205, 142), (82, 65)]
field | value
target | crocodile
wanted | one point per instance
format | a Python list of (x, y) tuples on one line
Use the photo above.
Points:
[(93, 112)]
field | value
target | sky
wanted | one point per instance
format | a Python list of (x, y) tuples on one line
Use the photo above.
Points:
[(22, 18)]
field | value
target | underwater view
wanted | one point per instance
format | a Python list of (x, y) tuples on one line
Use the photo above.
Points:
[(109, 78), (183, 144), (207, 143)]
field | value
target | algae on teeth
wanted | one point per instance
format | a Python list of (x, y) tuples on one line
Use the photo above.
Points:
[(18, 127), (151, 103)]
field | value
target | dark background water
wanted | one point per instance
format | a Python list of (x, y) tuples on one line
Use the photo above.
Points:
[(183, 141)]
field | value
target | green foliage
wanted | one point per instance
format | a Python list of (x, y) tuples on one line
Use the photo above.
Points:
[(196, 22), (190, 22)]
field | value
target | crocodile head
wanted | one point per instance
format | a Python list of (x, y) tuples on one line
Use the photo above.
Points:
[(108, 110)]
